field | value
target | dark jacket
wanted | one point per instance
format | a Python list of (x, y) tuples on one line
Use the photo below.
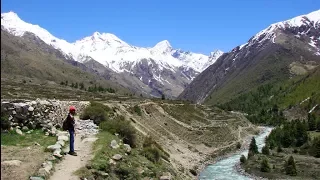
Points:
[(70, 122)]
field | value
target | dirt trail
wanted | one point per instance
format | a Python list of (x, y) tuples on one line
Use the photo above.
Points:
[(65, 169)]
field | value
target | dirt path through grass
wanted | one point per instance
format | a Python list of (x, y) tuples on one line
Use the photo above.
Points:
[(66, 168)]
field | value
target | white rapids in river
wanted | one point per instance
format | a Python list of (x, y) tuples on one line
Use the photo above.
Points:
[(225, 168)]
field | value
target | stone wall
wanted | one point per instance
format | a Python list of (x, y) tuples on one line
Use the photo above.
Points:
[(39, 113)]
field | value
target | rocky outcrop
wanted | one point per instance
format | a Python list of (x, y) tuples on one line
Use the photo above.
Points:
[(46, 114)]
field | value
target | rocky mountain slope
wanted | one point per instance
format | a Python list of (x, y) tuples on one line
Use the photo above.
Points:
[(160, 69), (282, 51)]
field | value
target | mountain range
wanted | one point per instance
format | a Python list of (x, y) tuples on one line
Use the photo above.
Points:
[(160, 69), (282, 51)]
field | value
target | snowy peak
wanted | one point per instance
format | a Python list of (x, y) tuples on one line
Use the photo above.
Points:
[(100, 41), (111, 51), (215, 53), (303, 27), (162, 46), (9, 16), (313, 17)]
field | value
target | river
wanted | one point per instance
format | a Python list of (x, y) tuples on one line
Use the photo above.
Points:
[(225, 168)]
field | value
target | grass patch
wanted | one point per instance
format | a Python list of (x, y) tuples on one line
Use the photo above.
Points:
[(314, 134), (123, 127), (128, 168), (11, 138), (137, 109)]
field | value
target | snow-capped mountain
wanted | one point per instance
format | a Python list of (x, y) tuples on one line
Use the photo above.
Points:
[(275, 54), (121, 57), (304, 26)]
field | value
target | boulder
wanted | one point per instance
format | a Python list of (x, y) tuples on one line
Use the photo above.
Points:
[(114, 144), (103, 174), (11, 163), (43, 172), (54, 147), (18, 131), (25, 128), (63, 138), (112, 162), (31, 109), (57, 153), (117, 157), (33, 103), (127, 148), (62, 143)]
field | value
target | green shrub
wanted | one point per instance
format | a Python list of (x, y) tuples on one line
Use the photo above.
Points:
[(152, 154), (122, 127), (315, 148), (101, 164), (137, 109), (149, 142), (5, 123), (238, 145), (290, 167), (95, 111), (250, 154), (265, 167), (243, 159), (125, 172), (265, 150)]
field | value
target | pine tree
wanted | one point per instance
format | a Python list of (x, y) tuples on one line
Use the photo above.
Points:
[(250, 154), (265, 167), (318, 124), (301, 134), (312, 122), (265, 150), (81, 85), (163, 97), (286, 140), (253, 146), (290, 167)]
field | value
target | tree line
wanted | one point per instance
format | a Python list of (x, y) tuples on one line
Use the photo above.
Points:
[(93, 88)]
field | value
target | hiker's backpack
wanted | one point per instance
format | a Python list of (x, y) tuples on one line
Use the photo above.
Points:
[(65, 124)]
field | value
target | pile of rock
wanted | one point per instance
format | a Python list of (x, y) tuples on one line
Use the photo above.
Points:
[(45, 114), (86, 127)]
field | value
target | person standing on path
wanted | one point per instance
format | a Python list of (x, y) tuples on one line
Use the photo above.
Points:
[(71, 129)]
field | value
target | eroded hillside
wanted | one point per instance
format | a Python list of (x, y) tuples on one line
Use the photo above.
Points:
[(191, 134)]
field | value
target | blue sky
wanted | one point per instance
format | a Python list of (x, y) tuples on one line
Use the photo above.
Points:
[(198, 26)]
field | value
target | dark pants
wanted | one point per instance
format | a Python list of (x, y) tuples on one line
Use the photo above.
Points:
[(71, 132)]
